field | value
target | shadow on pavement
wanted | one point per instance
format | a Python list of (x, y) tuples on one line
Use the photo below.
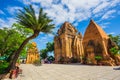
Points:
[(116, 68)]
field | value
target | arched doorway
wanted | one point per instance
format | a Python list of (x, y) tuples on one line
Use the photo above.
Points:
[(90, 52)]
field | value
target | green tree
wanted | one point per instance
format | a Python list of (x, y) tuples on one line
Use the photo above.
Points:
[(10, 40), (51, 58), (14, 35), (10, 37), (28, 19), (50, 46), (43, 53), (49, 49), (22, 30), (115, 39), (114, 51)]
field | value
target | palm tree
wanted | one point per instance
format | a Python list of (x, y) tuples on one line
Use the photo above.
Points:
[(28, 19)]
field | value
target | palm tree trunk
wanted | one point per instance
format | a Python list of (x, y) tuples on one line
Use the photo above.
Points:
[(17, 53)]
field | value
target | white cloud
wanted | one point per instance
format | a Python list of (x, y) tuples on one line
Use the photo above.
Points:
[(50, 35), (7, 23), (80, 4), (11, 21), (1, 12), (105, 6), (108, 14), (71, 10), (3, 23), (61, 14), (111, 33), (114, 2), (101, 7), (74, 10), (36, 7), (26, 2), (13, 10), (75, 24), (43, 40), (104, 24)]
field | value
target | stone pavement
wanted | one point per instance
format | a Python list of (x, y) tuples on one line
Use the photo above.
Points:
[(68, 72)]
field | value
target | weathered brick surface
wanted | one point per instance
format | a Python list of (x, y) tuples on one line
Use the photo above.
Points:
[(68, 43), (32, 54), (97, 43)]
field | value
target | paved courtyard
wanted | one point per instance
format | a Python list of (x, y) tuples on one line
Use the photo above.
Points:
[(68, 72)]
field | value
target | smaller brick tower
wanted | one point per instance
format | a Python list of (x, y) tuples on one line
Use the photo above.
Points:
[(32, 54)]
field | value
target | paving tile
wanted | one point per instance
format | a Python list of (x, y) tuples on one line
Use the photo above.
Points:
[(68, 72)]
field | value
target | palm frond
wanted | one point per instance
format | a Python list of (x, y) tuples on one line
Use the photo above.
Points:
[(28, 19)]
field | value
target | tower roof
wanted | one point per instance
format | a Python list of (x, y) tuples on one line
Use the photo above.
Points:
[(94, 30), (66, 24), (33, 44), (100, 30), (65, 27)]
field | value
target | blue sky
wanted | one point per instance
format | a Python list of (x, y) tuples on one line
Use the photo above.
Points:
[(105, 13)]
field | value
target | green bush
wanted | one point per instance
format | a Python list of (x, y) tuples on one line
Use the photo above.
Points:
[(74, 60), (51, 58), (114, 51), (3, 66), (61, 59), (37, 62), (98, 58), (18, 61)]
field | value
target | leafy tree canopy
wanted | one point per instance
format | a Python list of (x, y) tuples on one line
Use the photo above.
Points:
[(11, 38), (49, 48), (115, 39), (43, 53)]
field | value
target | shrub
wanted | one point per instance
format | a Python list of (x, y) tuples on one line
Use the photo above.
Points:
[(61, 60), (114, 51), (3, 66), (98, 58), (51, 58), (37, 62), (74, 60)]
